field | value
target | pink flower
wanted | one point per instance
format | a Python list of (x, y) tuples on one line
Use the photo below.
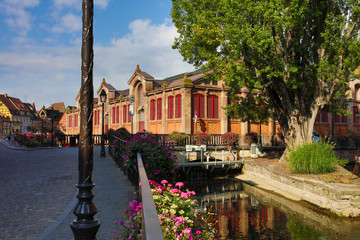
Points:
[(198, 232), (184, 195), (175, 190), (146, 164), (191, 193), (158, 190), (179, 184), (164, 182)]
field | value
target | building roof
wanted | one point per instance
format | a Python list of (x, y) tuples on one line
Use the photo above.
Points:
[(15, 105), (60, 106)]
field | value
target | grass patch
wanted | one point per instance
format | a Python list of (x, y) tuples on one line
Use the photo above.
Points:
[(312, 158)]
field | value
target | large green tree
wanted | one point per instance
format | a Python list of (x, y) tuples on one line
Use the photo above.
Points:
[(294, 56)]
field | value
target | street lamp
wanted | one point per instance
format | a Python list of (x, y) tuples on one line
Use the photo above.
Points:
[(42, 115), (102, 99)]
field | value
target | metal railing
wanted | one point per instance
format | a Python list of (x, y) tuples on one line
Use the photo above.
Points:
[(151, 228)]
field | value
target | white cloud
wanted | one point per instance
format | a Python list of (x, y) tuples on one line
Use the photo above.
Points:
[(53, 74), (69, 23), (17, 18)]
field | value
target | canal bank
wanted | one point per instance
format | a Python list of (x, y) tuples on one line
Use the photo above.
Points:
[(341, 199)]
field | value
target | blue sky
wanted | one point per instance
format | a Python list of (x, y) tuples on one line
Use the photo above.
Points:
[(40, 44)]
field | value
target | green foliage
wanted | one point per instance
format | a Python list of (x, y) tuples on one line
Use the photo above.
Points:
[(251, 137), (292, 57), (342, 162), (316, 157), (177, 137)]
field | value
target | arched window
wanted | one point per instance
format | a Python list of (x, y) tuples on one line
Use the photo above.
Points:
[(212, 106), (170, 107), (125, 113), (159, 108), (178, 106), (152, 109), (198, 105)]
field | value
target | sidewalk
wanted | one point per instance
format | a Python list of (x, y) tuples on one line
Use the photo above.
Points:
[(113, 192)]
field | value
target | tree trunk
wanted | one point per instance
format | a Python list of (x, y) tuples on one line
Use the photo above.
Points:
[(297, 130)]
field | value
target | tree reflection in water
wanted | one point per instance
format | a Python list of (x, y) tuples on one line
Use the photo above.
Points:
[(244, 212)]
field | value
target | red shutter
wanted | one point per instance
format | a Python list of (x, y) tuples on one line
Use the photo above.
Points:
[(70, 118), (124, 113), (201, 106), (216, 107), (98, 117), (129, 117), (159, 108), (117, 114), (152, 109), (209, 107), (113, 115), (178, 106), (170, 107)]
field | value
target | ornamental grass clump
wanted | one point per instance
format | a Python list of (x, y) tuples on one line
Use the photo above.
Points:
[(176, 212), (315, 157)]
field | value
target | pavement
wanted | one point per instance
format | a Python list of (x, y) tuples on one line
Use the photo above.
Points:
[(38, 193)]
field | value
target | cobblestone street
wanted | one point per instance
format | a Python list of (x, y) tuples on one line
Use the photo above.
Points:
[(38, 187)]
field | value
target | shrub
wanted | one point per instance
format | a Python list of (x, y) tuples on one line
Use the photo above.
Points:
[(342, 162), (202, 138), (177, 216), (251, 137), (159, 160), (177, 137), (230, 139), (342, 140), (356, 141), (316, 157)]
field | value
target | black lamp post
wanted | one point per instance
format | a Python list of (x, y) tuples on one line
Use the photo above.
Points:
[(102, 99), (85, 226), (42, 115)]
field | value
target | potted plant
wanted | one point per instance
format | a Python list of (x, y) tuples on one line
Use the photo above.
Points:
[(230, 139)]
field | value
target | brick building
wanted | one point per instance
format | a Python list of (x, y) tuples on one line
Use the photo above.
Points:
[(173, 104)]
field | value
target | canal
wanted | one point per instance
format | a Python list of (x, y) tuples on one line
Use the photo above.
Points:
[(242, 211)]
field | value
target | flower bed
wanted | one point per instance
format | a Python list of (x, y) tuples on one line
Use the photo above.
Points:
[(176, 214)]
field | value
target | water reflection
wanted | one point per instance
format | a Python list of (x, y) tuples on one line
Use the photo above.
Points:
[(241, 211)]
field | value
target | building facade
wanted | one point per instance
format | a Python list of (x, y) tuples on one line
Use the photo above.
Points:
[(190, 103)]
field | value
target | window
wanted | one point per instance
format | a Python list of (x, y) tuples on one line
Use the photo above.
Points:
[(356, 114), (212, 106), (124, 113), (76, 120), (322, 117), (178, 106), (170, 107), (113, 114), (98, 113), (340, 119), (95, 117), (70, 121), (159, 108), (117, 114), (198, 105), (152, 109)]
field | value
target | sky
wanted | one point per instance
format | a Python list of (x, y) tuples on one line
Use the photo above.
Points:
[(40, 46)]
